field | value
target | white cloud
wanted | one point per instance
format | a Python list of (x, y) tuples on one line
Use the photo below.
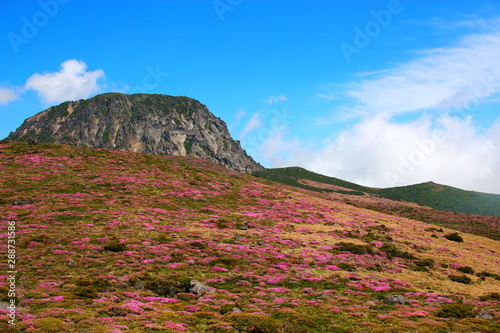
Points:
[(72, 82), (276, 149), (439, 79), (381, 153), (251, 125), (276, 99), (7, 95), (440, 144), (240, 114)]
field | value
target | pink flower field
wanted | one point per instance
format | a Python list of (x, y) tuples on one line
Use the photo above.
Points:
[(111, 241)]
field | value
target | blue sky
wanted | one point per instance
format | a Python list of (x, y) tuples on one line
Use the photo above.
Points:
[(382, 93)]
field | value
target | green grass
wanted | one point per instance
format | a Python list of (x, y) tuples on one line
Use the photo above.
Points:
[(428, 194)]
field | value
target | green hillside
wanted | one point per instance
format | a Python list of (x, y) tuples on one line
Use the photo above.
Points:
[(292, 175), (445, 198), (112, 241), (426, 194)]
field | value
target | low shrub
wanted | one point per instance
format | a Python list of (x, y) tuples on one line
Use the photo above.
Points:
[(86, 292), (252, 323), (376, 268), (114, 311), (221, 328), (456, 311), (82, 282), (490, 297), (352, 248), (392, 251), (417, 268), (454, 237), (345, 266), (227, 262), (102, 285), (166, 288), (460, 279), (50, 325), (488, 274), (424, 263), (163, 239), (40, 239), (115, 246), (198, 245), (466, 270), (227, 308)]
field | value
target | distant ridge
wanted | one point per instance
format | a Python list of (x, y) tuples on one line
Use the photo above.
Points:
[(428, 194), (153, 124)]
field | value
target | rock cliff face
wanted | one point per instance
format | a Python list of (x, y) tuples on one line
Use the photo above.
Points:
[(142, 123)]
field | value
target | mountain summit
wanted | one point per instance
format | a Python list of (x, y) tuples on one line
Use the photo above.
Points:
[(142, 123)]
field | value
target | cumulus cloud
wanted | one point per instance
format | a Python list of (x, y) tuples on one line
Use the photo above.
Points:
[(71, 82), (251, 125), (276, 99), (7, 95), (440, 88), (438, 79), (379, 152)]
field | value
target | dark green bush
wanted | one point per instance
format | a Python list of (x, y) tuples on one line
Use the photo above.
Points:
[(460, 279), (166, 288), (352, 248), (198, 245), (114, 311), (488, 274), (82, 282), (222, 224), (454, 237), (159, 286), (40, 239), (490, 297), (163, 239), (101, 284), (417, 268), (345, 266), (376, 267), (51, 325), (466, 270), (392, 251), (227, 262), (220, 328), (226, 308), (424, 263), (252, 323), (115, 246), (86, 292), (456, 311)]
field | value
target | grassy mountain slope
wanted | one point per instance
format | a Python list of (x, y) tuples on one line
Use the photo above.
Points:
[(445, 198), (427, 194), (109, 241)]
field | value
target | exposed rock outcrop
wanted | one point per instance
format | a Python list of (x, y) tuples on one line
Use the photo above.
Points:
[(152, 124)]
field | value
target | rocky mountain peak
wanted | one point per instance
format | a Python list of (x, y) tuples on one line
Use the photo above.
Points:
[(142, 123)]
